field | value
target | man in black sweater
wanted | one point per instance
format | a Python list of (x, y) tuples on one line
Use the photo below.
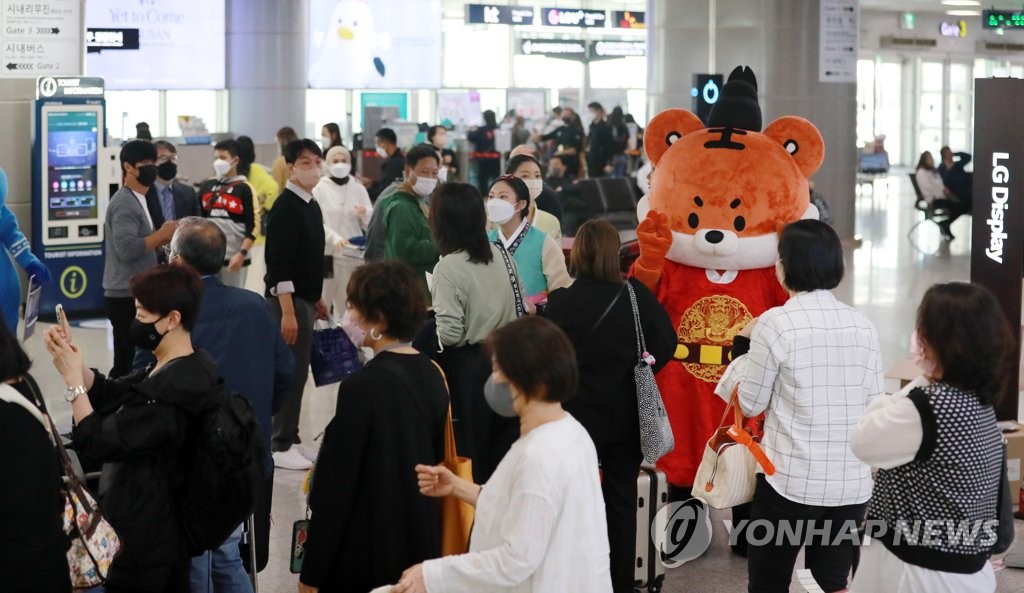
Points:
[(294, 280)]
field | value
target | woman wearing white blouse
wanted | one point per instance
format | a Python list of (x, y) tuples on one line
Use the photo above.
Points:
[(811, 365), (938, 451), (933, 190), (346, 209), (540, 520)]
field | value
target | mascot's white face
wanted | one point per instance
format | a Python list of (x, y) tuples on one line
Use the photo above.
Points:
[(351, 21), (730, 252)]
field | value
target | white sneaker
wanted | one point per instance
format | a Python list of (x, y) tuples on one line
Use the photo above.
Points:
[(291, 459), (309, 453)]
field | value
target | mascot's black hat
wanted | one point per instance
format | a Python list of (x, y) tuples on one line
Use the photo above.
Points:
[(738, 107)]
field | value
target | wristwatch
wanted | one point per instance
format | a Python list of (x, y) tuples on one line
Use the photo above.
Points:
[(244, 252), (72, 393)]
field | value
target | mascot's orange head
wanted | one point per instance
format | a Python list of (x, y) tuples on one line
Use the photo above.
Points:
[(729, 188)]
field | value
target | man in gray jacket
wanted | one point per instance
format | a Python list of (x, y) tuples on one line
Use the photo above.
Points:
[(130, 243)]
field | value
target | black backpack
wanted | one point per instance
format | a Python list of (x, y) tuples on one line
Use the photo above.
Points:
[(220, 469)]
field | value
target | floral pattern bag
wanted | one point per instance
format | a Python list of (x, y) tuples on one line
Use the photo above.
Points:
[(94, 543)]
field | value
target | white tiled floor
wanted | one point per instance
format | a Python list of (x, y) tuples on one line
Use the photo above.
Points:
[(886, 277)]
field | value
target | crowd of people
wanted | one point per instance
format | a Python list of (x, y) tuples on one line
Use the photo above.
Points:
[(472, 317), (602, 149)]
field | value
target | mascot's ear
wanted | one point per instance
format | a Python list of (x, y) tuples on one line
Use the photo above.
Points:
[(667, 127), (801, 140)]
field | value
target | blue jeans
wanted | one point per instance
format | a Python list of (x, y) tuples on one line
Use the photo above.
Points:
[(619, 165), (220, 570)]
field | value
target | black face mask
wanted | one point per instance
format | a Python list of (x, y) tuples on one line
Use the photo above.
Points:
[(145, 335), (167, 170), (147, 175)]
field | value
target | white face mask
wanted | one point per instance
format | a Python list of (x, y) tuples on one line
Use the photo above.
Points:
[(499, 211), (535, 186), (340, 170), (442, 174), (356, 334), (383, 153), (221, 167), (424, 186), (325, 142)]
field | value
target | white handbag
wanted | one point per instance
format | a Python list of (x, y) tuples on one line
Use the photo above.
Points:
[(725, 477)]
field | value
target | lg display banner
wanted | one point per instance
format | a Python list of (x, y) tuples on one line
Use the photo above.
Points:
[(997, 249)]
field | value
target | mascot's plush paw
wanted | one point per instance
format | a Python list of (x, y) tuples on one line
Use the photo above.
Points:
[(655, 236), (40, 271)]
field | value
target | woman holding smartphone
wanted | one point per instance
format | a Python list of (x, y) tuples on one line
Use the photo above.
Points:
[(136, 427)]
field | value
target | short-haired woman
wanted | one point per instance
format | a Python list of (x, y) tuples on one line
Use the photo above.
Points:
[(595, 313), (473, 296), (540, 519), (812, 365), (939, 452), (539, 257), (136, 427), (368, 520), (33, 546)]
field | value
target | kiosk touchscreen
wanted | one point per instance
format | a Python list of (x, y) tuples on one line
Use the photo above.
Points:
[(70, 190), (70, 136)]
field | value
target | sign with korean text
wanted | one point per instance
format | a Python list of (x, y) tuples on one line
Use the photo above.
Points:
[(97, 40), (40, 38), (838, 41), (572, 17), (499, 14)]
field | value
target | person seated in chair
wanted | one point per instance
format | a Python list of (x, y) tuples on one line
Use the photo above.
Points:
[(934, 191), (956, 180)]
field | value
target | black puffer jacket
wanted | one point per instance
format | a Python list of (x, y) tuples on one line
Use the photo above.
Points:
[(137, 433)]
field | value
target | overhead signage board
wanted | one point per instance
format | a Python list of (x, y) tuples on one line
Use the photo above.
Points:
[(555, 48), (573, 17), (571, 49), (1002, 19), (40, 38), (617, 49), (628, 19), (97, 40), (499, 14), (838, 41)]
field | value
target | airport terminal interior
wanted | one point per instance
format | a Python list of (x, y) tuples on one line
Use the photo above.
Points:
[(700, 132)]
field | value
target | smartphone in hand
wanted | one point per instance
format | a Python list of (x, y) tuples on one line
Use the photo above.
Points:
[(62, 322)]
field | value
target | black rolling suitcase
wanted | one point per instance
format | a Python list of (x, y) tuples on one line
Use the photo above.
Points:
[(652, 495)]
